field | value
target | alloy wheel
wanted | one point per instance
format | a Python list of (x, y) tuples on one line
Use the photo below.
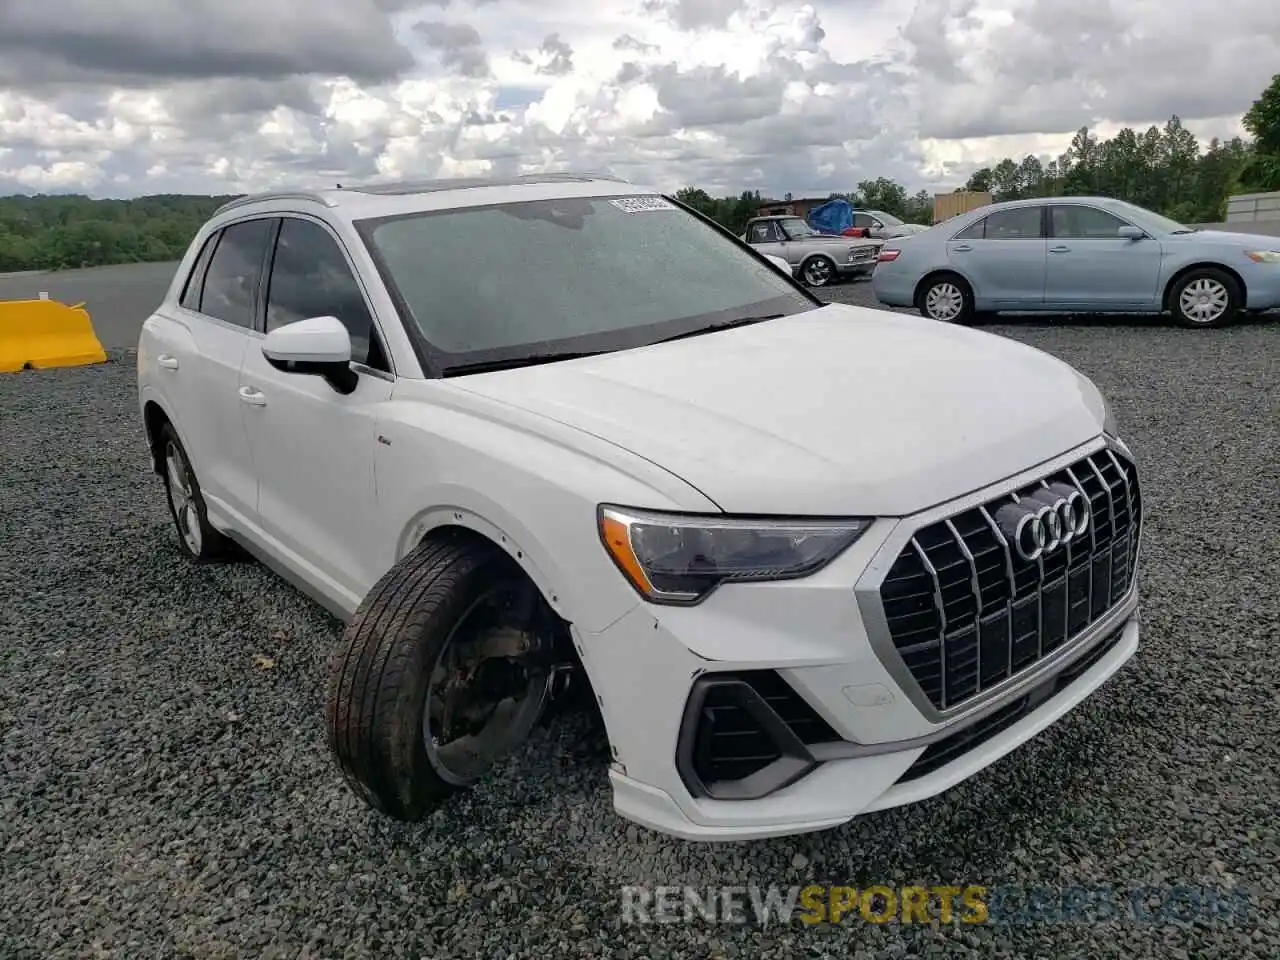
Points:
[(182, 499)]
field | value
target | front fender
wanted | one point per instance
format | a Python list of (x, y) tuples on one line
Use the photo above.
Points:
[(457, 506), (534, 495)]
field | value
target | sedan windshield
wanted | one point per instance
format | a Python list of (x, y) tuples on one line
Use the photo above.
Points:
[(1151, 220), (542, 280)]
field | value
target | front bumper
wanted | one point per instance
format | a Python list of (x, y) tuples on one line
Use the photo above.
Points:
[(1262, 286), (847, 731)]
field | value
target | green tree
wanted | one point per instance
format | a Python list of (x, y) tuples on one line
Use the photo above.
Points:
[(1263, 119), (882, 194), (980, 180), (52, 232)]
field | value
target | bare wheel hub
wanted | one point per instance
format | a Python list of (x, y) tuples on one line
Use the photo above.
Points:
[(485, 693)]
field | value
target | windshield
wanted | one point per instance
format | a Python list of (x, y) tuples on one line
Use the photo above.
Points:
[(581, 275), (796, 228), (1151, 220)]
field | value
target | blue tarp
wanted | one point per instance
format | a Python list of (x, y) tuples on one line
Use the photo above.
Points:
[(834, 216)]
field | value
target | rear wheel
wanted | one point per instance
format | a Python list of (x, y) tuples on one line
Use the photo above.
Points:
[(818, 271), (1206, 297), (197, 538), (946, 298), (445, 672)]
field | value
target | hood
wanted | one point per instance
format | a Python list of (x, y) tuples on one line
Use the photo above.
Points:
[(1251, 241), (838, 411)]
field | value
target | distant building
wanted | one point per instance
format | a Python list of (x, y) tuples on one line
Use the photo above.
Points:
[(798, 207)]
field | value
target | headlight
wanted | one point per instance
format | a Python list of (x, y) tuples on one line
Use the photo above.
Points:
[(1263, 256), (680, 558)]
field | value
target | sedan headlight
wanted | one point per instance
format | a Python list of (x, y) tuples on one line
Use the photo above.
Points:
[(1263, 256), (680, 558)]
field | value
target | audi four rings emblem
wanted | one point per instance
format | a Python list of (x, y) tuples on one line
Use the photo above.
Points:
[(1044, 521)]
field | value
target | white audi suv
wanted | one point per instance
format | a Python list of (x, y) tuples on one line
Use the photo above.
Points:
[(810, 560)]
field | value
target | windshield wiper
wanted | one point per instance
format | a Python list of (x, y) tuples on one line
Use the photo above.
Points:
[(511, 363), (723, 325)]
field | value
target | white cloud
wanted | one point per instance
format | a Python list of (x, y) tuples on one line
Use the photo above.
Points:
[(216, 97)]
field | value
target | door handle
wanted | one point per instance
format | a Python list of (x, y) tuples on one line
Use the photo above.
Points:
[(962, 248), (1059, 249), (166, 361), (251, 396)]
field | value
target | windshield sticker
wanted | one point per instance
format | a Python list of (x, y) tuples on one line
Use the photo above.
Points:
[(642, 204)]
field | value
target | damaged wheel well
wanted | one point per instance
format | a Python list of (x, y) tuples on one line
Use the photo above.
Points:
[(573, 687)]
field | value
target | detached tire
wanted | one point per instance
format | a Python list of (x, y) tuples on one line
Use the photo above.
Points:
[(1206, 297), (196, 537), (394, 651)]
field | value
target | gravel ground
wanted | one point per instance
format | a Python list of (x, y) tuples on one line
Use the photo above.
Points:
[(165, 790)]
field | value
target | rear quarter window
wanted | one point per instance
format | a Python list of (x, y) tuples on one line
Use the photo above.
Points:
[(194, 285)]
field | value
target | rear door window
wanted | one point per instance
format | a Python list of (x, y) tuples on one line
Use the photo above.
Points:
[(235, 270), (1020, 223)]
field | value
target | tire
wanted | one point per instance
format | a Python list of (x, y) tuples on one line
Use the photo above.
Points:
[(1206, 297), (196, 537), (947, 299), (818, 271), (406, 628)]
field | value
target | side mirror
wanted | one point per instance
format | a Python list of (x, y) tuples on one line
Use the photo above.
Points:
[(1130, 232), (319, 346)]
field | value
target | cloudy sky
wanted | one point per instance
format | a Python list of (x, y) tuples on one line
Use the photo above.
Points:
[(126, 97)]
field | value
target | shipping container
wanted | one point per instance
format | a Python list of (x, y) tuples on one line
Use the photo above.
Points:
[(1252, 207), (948, 205)]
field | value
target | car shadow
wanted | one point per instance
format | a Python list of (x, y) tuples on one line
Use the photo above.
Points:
[(1134, 320)]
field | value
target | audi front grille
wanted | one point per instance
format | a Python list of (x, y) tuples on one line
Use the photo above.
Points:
[(966, 611)]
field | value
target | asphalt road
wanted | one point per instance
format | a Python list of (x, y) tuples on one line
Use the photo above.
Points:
[(166, 790), (118, 298)]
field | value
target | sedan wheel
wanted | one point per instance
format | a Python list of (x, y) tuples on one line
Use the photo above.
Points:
[(1205, 298), (947, 301), (818, 272)]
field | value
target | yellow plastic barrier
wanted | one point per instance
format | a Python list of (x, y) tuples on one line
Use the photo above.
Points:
[(45, 333)]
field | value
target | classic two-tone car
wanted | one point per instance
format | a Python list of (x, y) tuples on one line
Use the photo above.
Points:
[(816, 258)]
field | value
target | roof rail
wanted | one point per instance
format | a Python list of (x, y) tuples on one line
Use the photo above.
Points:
[(402, 187), (310, 196), (577, 175)]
